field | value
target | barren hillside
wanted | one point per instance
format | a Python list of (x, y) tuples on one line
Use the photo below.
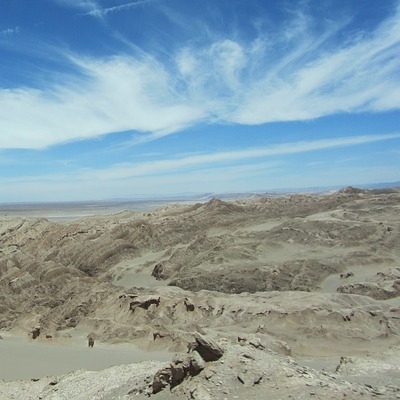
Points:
[(294, 279)]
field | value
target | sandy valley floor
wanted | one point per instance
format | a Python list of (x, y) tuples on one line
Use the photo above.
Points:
[(300, 292)]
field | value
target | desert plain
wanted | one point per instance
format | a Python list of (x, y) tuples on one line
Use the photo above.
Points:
[(266, 297)]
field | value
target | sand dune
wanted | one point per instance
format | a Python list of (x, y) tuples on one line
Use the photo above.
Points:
[(300, 282)]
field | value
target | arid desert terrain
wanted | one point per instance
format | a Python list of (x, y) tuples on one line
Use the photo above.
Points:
[(269, 297)]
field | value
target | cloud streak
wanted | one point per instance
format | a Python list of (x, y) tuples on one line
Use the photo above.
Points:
[(241, 170), (80, 4), (101, 12), (185, 163)]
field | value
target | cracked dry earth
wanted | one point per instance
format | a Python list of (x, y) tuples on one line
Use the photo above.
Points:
[(300, 293)]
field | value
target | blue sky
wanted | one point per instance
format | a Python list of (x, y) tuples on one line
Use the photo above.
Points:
[(104, 99)]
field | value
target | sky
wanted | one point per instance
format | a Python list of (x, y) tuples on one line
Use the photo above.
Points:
[(107, 99)]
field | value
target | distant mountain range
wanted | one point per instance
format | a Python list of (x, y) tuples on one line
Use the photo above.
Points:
[(191, 197)]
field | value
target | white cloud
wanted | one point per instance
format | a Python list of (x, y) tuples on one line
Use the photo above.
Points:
[(364, 76), (94, 9), (81, 4), (241, 170), (101, 12), (227, 81), (187, 162), (119, 94), (10, 31)]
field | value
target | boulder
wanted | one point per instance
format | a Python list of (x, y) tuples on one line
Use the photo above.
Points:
[(35, 332), (207, 348), (188, 304), (249, 376), (180, 368), (159, 272), (184, 366), (161, 379)]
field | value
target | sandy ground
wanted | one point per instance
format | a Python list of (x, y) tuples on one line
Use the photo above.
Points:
[(27, 359), (301, 292), (137, 271)]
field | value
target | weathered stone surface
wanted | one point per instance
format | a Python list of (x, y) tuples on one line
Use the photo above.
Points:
[(144, 302), (249, 376), (256, 342), (161, 379), (159, 272), (189, 304), (35, 332), (180, 368), (207, 348)]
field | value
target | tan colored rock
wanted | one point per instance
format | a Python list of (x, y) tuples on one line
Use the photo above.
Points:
[(161, 380), (181, 367), (208, 348), (249, 376)]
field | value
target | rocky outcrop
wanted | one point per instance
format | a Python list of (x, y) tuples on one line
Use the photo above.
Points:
[(159, 272), (161, 380), (144, 302), (381, 286), (35, 332), (370, 289), (181, 367), (207, 348)]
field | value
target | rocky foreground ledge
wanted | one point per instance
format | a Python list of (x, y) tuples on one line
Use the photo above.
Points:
[(220, 370)]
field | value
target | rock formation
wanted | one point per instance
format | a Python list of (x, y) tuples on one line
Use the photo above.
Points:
[(251, 287)]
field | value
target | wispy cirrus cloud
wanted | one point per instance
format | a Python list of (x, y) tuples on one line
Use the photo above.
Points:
[(197, 172), (80, 4), (186, 162), (298, 76), (10, 31), (118, 94), (93, 8), (101, 12)]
